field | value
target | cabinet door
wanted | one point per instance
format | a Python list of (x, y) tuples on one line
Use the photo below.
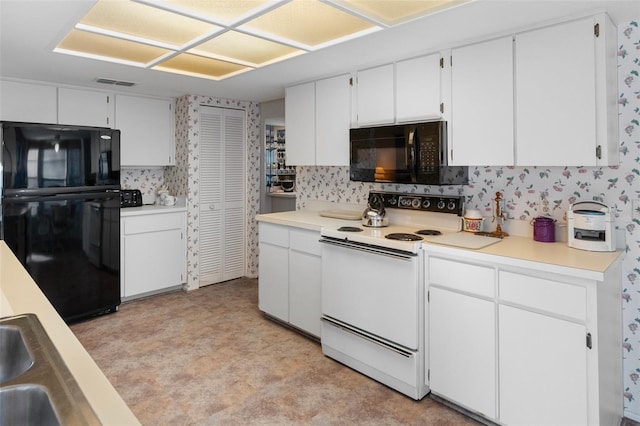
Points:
[(273, 281), (147, 131), (154, 260), (482, 104), (462, 350), (375, 96), (34, 103), (305, 281), (543, 369), (85, 107), (556, 90), (418, 89), (300, 119), (332, 121)]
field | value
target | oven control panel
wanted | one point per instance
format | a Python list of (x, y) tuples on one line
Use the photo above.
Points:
[(425, 202)]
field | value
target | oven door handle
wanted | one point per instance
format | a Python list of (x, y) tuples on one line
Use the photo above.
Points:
[(396, 254), (345, 328)]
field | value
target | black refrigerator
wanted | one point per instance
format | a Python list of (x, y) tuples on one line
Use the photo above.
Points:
[(61, 212)]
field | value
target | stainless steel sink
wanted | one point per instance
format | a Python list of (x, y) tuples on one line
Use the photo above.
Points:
[(15, 358), (36, 386), (27, 405)]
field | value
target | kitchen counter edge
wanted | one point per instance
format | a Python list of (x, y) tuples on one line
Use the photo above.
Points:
[(520, 252), (152, 209), (305, 219), (24, 296)]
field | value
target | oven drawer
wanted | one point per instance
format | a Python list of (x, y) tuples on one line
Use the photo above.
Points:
[(400, 371)]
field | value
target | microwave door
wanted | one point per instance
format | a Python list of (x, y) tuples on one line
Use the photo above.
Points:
[(411, 153)]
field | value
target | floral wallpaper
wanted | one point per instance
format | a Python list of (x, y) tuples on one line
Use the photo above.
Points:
[(523, 188), (146, 180), (182, 179)]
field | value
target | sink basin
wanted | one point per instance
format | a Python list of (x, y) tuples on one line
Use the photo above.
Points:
[(15, 358), (27, 405), (36, 386)]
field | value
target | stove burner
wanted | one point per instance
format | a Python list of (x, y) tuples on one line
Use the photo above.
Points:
[(401, 236), (428, 232), (349, 229)]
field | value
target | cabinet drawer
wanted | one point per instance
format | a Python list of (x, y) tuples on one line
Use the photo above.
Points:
[(305, 241), (274, 234), (153, 223), (461, 276), (546, 295)]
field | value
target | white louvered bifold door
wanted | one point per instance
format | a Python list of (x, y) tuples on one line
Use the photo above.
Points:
[(222, 173)]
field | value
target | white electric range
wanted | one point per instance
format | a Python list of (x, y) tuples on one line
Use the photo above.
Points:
[(373, 295), (413, 218)]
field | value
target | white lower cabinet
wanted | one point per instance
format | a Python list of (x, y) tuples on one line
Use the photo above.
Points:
[(290, 276), (153, 253), (462, 336), (543, 369), (531, 344), (273, 271)]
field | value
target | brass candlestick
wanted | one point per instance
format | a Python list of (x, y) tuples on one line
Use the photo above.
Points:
[(498, 217)]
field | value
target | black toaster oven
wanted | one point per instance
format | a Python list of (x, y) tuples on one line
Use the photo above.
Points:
[(130, 198)]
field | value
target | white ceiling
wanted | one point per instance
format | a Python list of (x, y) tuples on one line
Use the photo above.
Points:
[(30, 29)]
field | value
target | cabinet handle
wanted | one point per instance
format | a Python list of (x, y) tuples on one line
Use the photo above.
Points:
[(589, 343)]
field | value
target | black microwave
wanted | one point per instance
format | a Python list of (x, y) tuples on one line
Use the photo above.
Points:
[(406, 153)]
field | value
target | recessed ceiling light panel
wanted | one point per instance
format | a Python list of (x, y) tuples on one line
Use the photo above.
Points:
[(219, 10), (82, 42), (243, 47), (200, 66), (308, 22), (220, 38), (393, 12), (147, 22)]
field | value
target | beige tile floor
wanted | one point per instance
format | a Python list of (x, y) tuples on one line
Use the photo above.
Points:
[(210, 357)]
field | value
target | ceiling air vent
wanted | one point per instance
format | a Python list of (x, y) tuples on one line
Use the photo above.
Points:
[(116, 82)]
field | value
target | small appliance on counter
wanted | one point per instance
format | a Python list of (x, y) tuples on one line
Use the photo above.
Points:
[(590, 227), (130, 198)]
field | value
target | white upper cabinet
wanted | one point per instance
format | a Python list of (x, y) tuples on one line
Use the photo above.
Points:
[(482, 116), (35, 103), (375, 96), (317, 119), (409, 90), (418, 88), (333, 119), (85, 107), (566, 88), (147, 135), (300, 116)]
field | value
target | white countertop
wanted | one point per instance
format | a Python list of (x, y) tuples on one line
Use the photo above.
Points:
[(19, 294), (179, 206), (513, 250), (307, 219)]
